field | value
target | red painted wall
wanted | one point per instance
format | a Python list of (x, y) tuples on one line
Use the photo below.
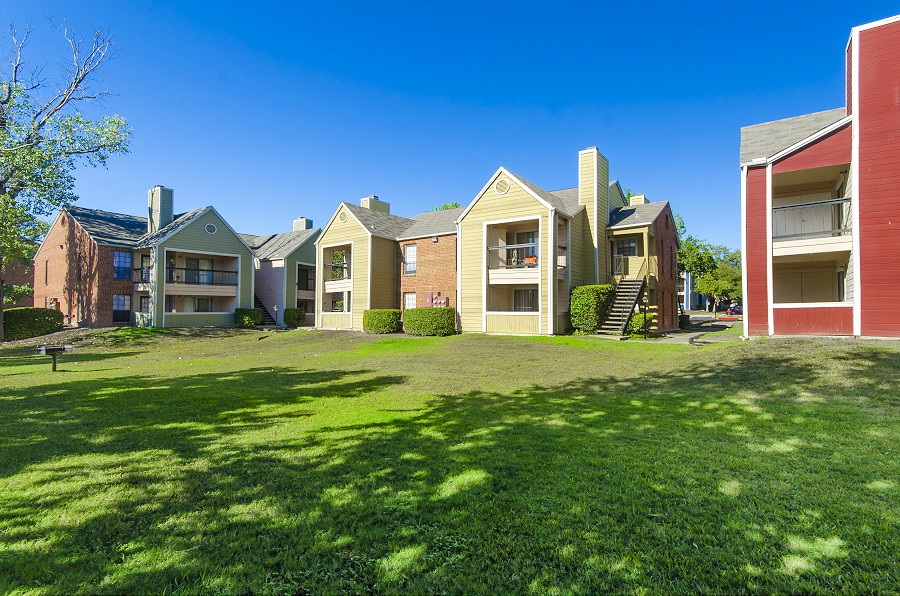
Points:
[(756, 303), (827, 151), (827, 320), (879, 179)]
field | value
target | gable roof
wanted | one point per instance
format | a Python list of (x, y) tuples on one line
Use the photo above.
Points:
[(106, 227), (632, 216), (432, 223), (278, 246), (383, 225), (563, 204), (761, 141), (166, 231)]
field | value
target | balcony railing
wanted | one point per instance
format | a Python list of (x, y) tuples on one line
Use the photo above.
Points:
[(306, 284), (142, 274), (562, 258), (338, 271), (203, 277), (822, 219), (513, 256)]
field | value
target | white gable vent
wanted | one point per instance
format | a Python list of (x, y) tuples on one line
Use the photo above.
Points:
[(501, 186), (342, 216), (210, 228)]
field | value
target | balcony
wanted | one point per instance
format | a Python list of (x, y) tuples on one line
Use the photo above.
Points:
[(306, 285), (562, 261), (141, 278), (338, 278), (200, 282), (514, 263), (820, 226)]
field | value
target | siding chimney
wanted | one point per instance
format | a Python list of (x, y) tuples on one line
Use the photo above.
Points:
[(302, 223), (160, 202), (640, 199), (593, 193), (372, 202)]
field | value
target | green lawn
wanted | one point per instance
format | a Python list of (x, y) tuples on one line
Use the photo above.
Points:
[(316, 462)]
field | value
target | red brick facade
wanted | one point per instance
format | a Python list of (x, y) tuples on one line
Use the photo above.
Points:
[(666, 271), (435, 270), (74, 275), (19, 273)]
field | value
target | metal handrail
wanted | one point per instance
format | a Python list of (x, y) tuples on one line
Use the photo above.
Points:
[(522, 256), (339, 271), (310, 284), (142, 274), (840, 220), (203, 277)]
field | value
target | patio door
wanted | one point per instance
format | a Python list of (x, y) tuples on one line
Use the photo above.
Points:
[(198, 271)]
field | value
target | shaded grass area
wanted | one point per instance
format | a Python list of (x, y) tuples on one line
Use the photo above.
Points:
[(326, 462)]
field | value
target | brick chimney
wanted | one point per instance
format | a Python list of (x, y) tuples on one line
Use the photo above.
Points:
[(302, 223), (372, 202), (160, 202)]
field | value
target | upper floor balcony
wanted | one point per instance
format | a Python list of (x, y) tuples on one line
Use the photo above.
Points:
[(514, 263), (812, 227)]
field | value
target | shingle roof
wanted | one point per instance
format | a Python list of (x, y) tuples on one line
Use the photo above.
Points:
[(383, 225), (179, 222), (278, 246), (564, 206), (764, 140), (636, 215), (432, 223), (106, 227)]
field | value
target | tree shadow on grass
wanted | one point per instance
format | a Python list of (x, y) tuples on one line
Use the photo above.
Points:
[(707, 479)]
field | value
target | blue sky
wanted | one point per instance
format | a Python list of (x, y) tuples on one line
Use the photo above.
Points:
[(268, 112)]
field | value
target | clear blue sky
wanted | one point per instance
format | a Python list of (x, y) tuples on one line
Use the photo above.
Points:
[(268, 112)]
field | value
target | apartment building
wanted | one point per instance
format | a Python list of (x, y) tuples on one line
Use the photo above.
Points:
[(820, 206)]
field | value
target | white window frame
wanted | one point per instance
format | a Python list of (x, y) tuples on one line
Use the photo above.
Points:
[(406, 297), (406, 260)]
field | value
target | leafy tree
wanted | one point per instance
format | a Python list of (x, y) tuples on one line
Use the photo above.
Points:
[(45, 135), (447, 206), (12, 293), (723, 282)]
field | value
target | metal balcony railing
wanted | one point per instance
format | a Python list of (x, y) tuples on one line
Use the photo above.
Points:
[(142, 274), (822, 219), (203, 277), (513, 256), (562, 256), (308, 284), (338, 271)]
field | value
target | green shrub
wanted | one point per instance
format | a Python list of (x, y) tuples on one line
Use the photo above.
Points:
[(294, 317), (247, 317), (684, 321), (27, 321), (636, 323), (430, 321), (382, 320), (587, 305)]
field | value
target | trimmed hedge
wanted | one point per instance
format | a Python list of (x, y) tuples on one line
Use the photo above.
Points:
[(440, 320), (684, 321), (636, 323), (588, 304), (294, 317), (247, 317), (382, 320), (27, 321)]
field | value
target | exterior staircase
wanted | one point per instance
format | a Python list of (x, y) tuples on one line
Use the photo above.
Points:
[(628, 292), (267, 320)]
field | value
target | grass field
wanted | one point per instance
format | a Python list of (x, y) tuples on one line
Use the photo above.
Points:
[(317, 462)]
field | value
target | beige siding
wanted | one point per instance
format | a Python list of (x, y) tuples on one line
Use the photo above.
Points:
[(346, 232), (306, 255), (516, 203), (335, 321), (514, 323), (385, 265), (580, 254), (194, 238), (587, 186)]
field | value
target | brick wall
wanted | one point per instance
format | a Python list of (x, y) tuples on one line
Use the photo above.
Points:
[(73, 274), (19, 273), (435, 269), (667, 271)]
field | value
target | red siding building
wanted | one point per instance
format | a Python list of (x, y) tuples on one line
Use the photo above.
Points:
[(820, 205)]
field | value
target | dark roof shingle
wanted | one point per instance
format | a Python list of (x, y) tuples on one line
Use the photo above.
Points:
[(636, 215), (761, 141)]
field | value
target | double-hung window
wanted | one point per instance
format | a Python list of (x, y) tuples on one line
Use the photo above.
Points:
[(409, 259), (409, 300), (525, 300), (121, 308), (121, 265)]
